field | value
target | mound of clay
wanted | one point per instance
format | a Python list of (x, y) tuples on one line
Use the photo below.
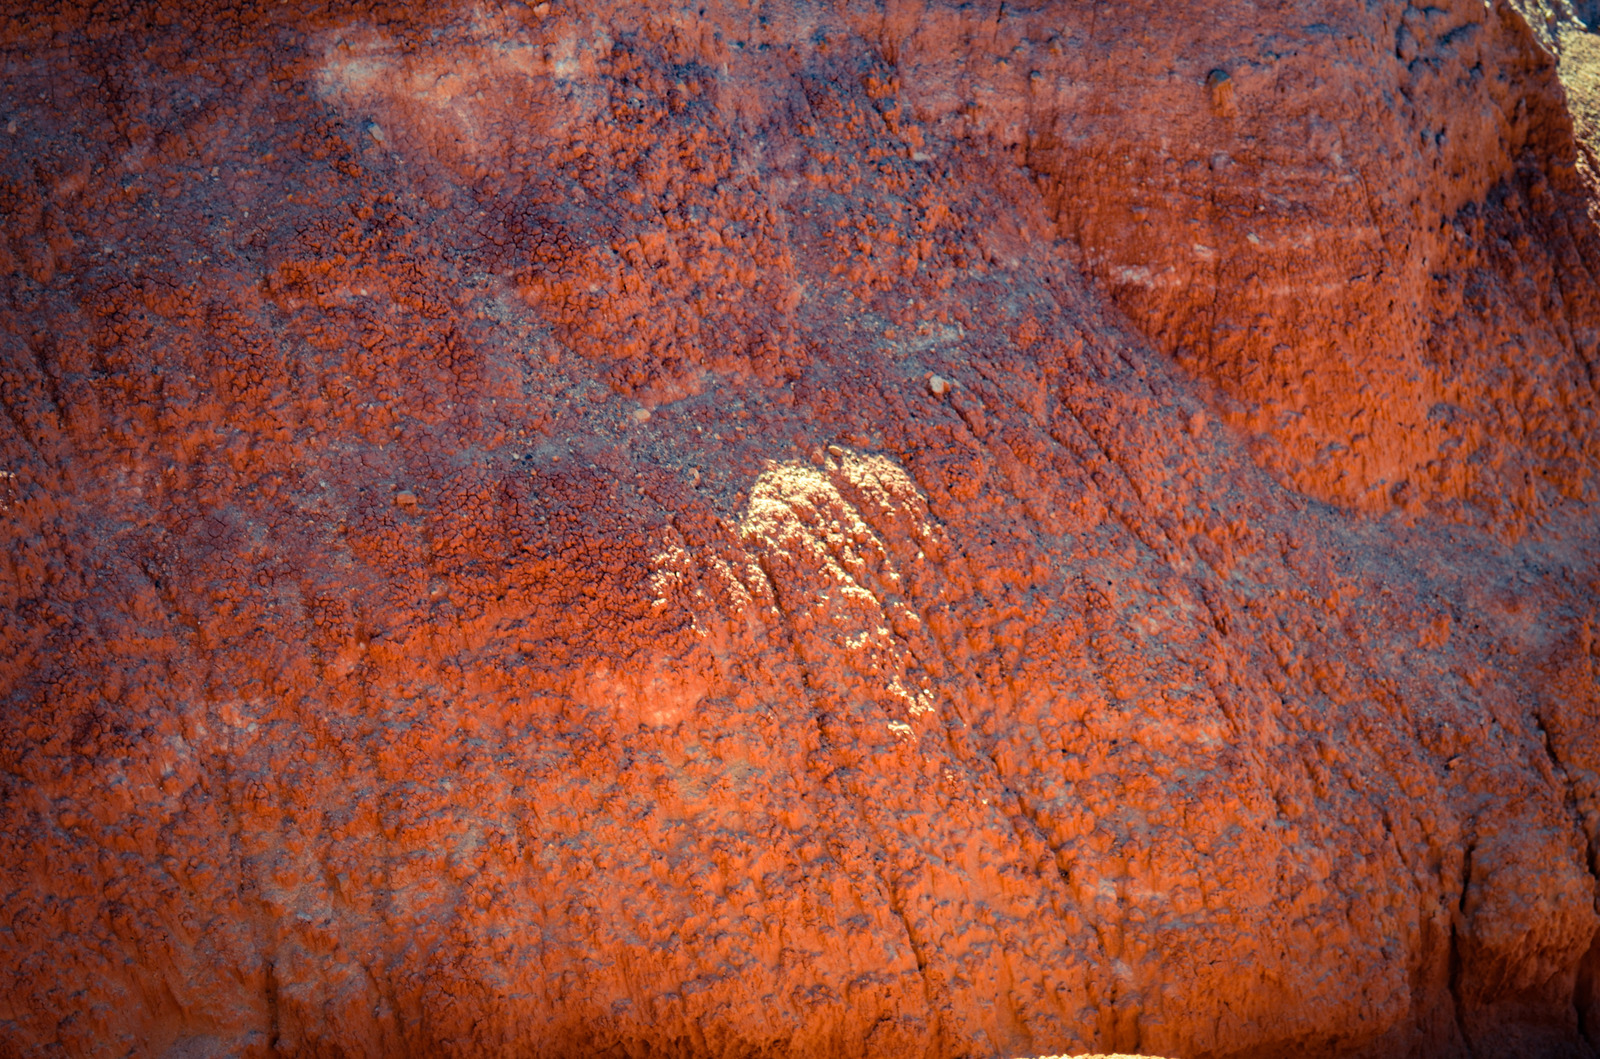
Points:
[(799, 530)]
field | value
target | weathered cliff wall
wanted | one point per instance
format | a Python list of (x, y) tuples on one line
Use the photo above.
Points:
[(756, 529)]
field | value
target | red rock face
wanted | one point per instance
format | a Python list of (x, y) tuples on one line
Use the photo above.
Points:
[(800, 531), (1370, 235)]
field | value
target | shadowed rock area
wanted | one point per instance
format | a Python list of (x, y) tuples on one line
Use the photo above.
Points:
[(766, 529)]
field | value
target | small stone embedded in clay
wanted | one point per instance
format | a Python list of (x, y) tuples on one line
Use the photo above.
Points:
[(938, 385), (1220, 84)]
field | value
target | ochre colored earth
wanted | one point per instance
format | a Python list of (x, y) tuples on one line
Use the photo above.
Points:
[(852, 530)]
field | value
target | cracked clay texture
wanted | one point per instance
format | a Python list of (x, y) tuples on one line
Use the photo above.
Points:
[(799, 530)]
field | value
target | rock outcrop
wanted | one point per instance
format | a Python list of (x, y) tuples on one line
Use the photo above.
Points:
[(799, 530)]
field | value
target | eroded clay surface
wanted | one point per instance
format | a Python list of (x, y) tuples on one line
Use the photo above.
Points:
[(899, 530)]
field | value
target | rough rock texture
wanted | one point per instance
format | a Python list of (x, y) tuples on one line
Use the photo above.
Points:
[(762, 529), (1370, 234)]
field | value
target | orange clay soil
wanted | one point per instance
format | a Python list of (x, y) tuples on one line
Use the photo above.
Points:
[(765, 529)]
